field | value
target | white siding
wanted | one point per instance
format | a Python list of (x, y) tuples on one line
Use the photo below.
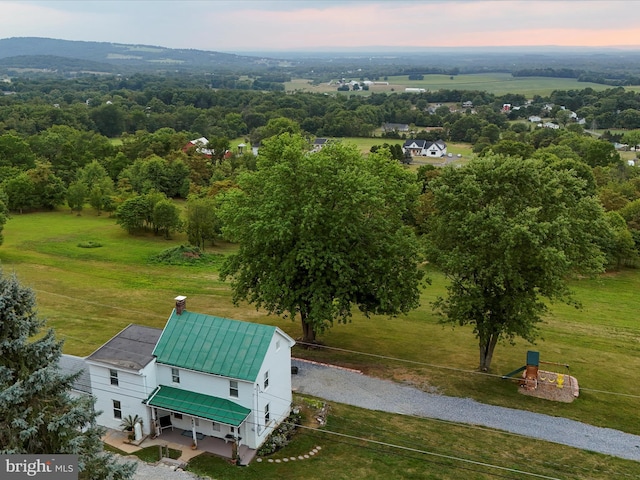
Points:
[(133, 388), (206, 384), (278, 394)]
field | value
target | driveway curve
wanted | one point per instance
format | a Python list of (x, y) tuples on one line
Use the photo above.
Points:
[(353, 388)]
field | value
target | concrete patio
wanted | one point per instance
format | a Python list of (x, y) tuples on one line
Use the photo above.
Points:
[(177, 441)]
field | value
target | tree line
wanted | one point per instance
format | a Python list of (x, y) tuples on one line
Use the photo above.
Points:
[(139, 178), (113, 106)]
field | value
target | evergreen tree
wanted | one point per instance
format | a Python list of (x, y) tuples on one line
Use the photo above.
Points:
[(37, 413)]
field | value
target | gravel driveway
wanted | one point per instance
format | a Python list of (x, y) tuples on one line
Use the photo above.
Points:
[(352, 388)]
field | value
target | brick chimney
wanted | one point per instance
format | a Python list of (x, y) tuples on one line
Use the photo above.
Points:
[(181, 304)]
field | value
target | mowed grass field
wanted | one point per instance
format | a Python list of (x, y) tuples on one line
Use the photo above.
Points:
[(495, 83), (89, 295)]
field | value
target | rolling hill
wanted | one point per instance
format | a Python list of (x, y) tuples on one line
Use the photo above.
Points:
[(66, 56)]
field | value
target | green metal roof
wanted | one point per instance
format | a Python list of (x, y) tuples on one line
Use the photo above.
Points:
[(209, 344), (216, 409)]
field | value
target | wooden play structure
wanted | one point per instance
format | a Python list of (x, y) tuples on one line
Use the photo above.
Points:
[(557, 386)]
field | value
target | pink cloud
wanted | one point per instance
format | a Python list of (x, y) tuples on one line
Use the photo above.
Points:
[(450, 23), (304, 24)]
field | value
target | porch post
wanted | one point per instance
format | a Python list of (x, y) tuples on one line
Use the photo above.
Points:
[(154, 421), (193, 433)]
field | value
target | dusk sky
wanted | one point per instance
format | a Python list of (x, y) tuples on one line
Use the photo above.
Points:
[(236, 26)]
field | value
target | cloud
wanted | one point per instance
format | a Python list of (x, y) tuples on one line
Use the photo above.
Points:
[(305, 24)]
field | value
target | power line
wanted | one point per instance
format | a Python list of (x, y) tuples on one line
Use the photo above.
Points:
[(434, 454), (513, 456), (386, 357), (444, 367)]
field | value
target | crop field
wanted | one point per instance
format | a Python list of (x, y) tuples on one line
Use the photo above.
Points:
[(496, 83)]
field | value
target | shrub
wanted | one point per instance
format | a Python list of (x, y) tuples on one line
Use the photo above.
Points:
[(89, 244), (282, 435), (186, 255)]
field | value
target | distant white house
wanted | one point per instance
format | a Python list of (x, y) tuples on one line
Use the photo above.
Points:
[(424, 148), (207, 376), (318, 144), (535, 119), (414, 90)]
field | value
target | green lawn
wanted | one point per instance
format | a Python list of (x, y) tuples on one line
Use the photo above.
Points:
[(88, 295), (367, 445)]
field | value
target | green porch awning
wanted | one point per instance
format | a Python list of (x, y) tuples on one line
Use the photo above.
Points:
[(199, 405)]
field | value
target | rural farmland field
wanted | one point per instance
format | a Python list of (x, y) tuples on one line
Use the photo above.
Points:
[(496, 83)]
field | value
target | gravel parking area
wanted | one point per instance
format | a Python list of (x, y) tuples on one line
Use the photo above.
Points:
[(353, 388)]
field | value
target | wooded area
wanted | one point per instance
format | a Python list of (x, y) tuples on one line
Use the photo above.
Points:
[(124, 146)]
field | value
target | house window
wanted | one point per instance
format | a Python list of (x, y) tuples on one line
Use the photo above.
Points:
[(175, 375), (277, 345), (233, 388), (117, 409), (266, 379), (196, 421), (266, 415), (113, 376), (215, 426), (177, 416)]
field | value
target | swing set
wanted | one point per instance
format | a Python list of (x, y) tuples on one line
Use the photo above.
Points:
[(559, 386)]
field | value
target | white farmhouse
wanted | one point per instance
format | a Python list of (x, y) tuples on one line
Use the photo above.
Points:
[(211, 377), (424, 148)]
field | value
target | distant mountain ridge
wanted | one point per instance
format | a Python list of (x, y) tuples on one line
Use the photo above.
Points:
[(35, 55), (68, 55)]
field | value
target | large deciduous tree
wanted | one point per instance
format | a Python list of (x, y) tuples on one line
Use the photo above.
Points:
[(321, 232), (37, 413), (508, 233), (166, 218), (202, 223)]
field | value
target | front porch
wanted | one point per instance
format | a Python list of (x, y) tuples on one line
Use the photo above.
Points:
[(214, 445), (176, 440)]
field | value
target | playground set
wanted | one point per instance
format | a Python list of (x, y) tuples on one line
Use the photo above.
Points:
[(560, 387)]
